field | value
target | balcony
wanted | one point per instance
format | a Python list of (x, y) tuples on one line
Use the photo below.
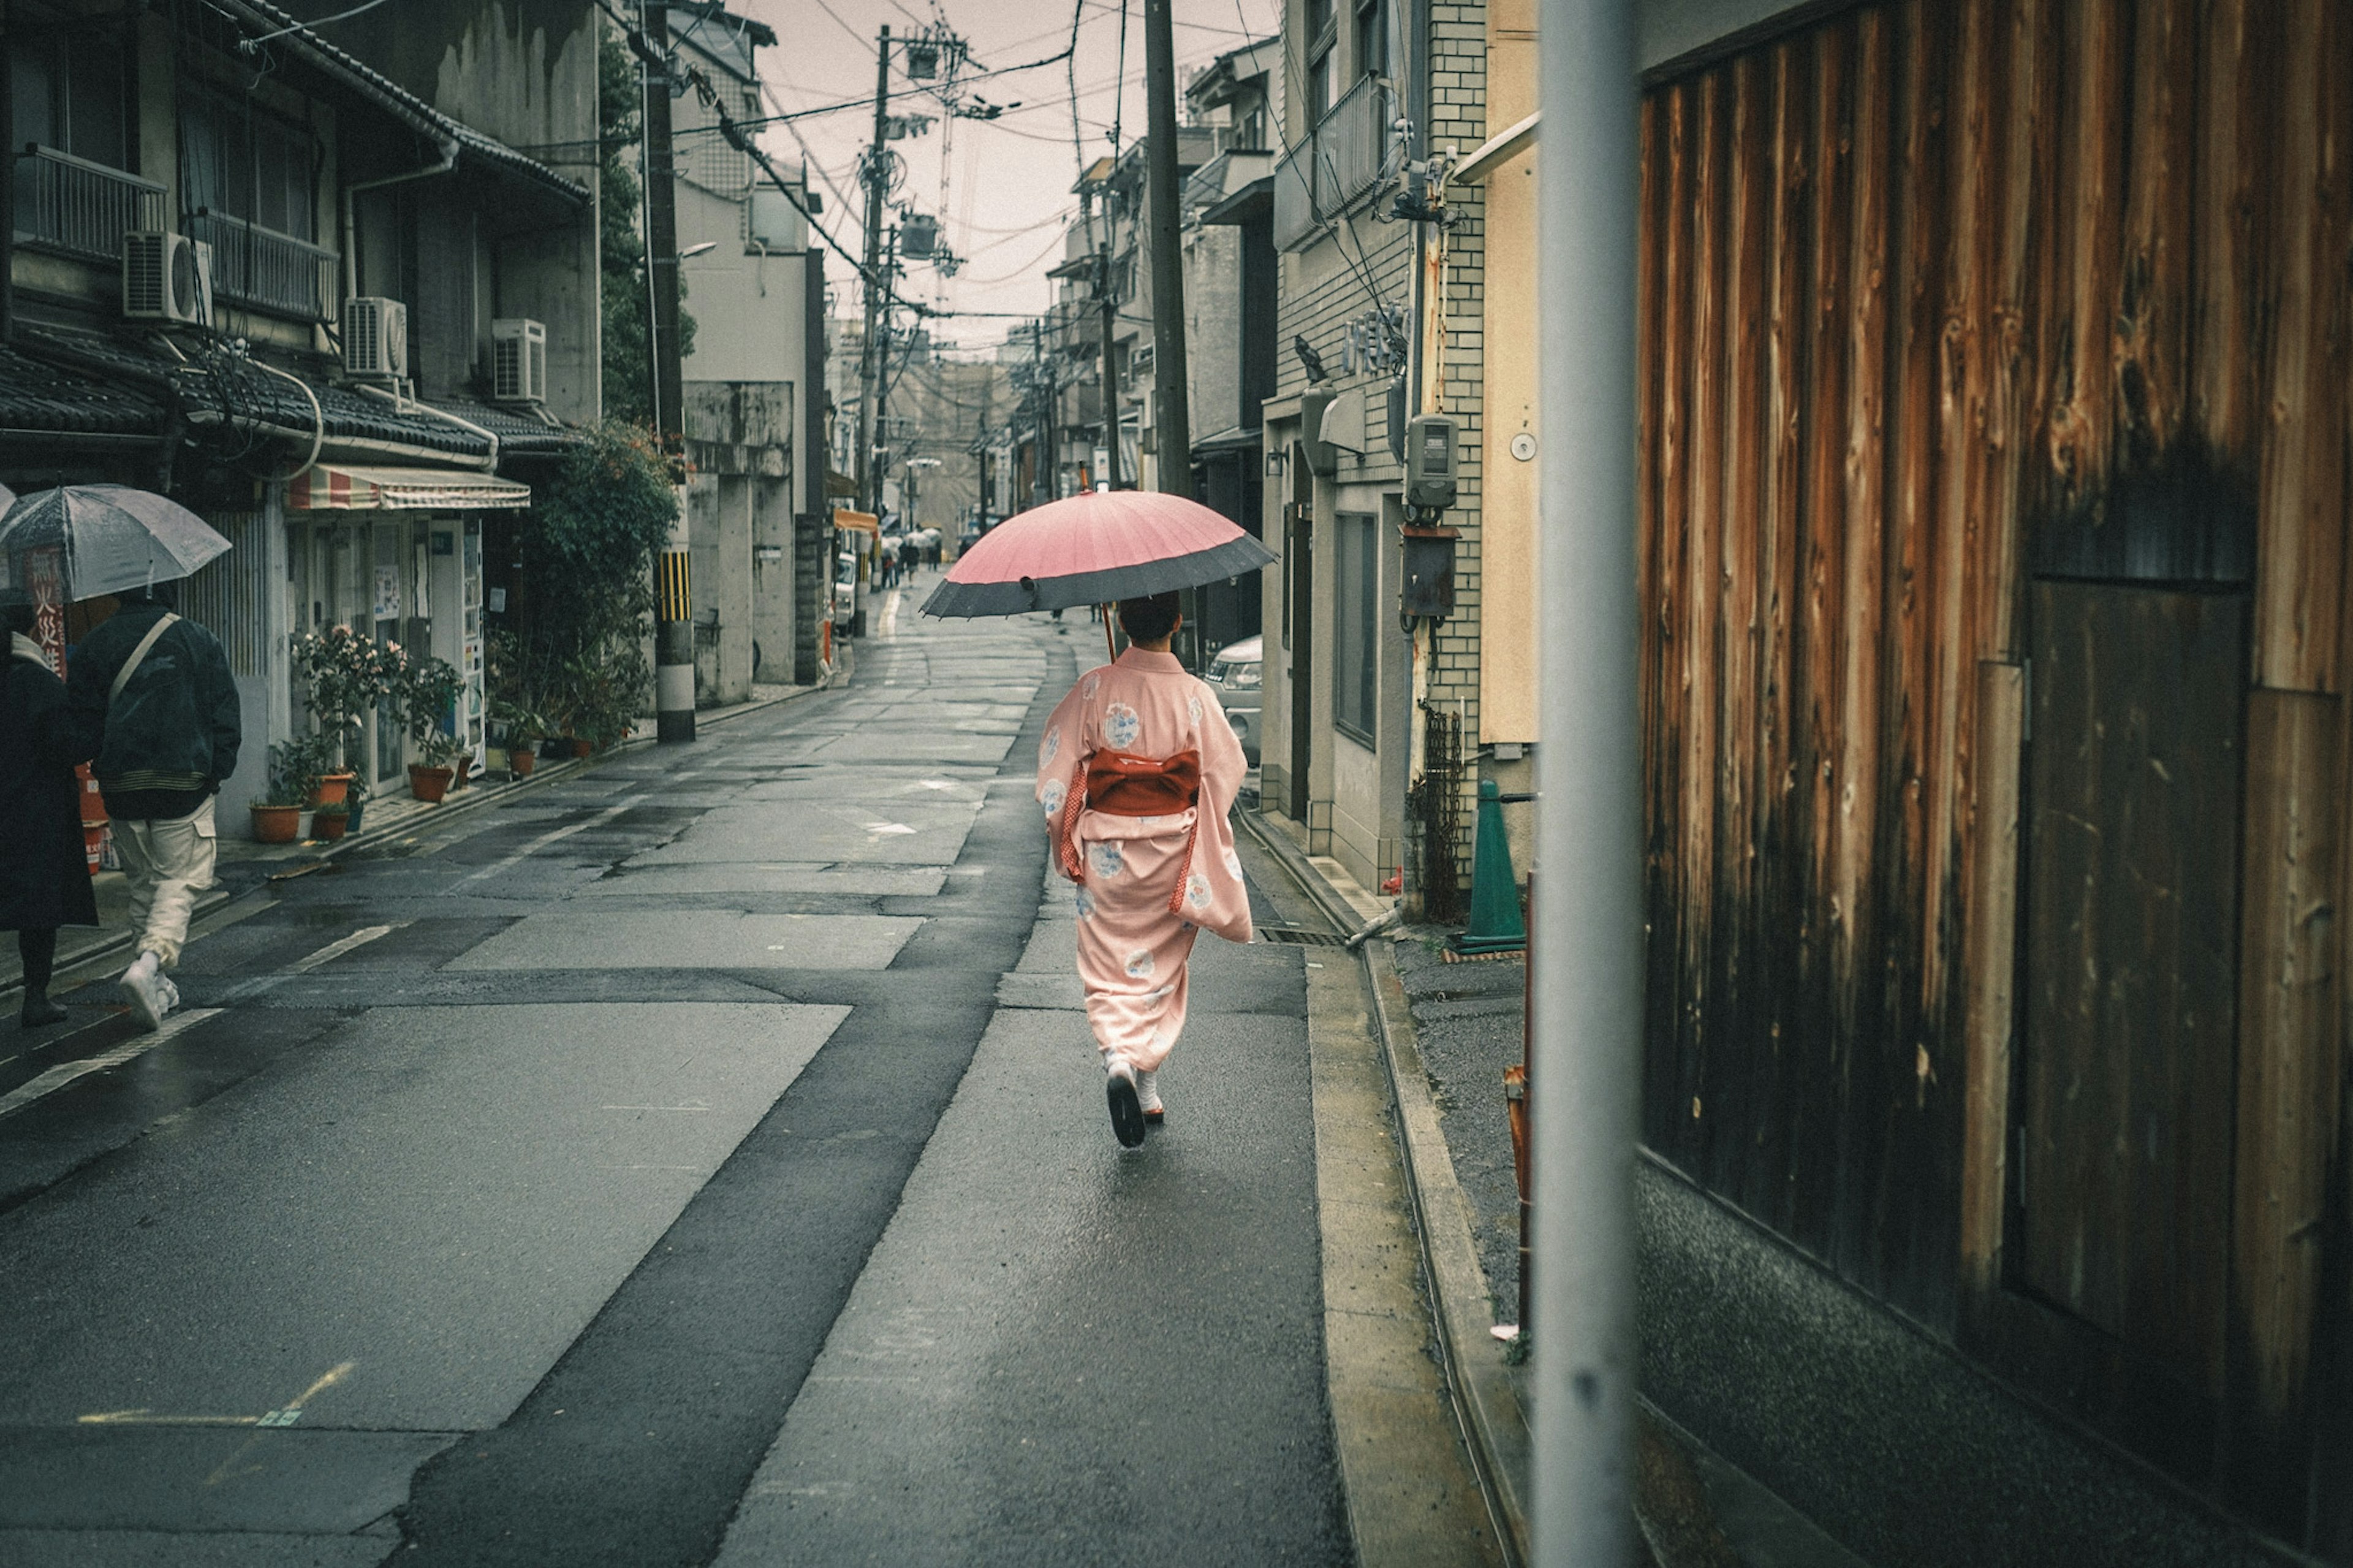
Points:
[(268, 271), (1347, 157), (78, 208)]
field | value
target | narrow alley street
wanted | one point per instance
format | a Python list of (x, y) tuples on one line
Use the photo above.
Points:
[(701, 1158)]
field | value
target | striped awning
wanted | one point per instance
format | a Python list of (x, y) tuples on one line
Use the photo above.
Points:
[(324, 487)]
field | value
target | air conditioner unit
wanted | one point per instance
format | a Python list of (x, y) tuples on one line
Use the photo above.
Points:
[(518, 360), (375, 339), (167, 278)]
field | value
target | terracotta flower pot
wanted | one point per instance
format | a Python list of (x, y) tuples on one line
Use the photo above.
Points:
[(330, 825), (581, 748), (333, 788), (275, 824), (522, 760), (428, 785)]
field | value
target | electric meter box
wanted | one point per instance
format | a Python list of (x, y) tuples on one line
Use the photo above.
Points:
[(1430, 440)]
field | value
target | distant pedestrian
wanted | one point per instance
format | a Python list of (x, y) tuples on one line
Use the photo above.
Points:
[(44, 870), (153, 697), (1136, 772)]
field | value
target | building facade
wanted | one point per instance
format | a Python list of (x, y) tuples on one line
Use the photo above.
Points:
[(272, 292)]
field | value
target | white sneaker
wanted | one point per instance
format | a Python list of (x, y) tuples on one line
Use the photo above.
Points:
[(1148, 1091), (143, 986), (171, 992)]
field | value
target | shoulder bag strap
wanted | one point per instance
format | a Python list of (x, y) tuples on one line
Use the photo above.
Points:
[(137, 656)]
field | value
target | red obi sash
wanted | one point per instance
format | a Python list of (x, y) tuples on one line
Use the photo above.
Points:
[(1121, 784)]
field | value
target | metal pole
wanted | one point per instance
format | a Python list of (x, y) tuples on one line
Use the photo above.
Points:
[(1172, 434), (868, 358), (1589, 969), (674, 594)]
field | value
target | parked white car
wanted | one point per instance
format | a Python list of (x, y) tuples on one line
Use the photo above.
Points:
[(1238, 675)]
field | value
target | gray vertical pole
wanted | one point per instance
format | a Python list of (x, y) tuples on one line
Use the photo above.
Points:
[(1588, 926), (1163, 198)]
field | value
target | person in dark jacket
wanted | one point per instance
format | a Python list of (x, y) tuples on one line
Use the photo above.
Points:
[(44, 872), (166, 734)]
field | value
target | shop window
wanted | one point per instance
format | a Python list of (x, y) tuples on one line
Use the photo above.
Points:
[(1356, 652)]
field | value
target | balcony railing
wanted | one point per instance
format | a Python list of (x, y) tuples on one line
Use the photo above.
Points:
[(78, 208), (1345, 157), (268, 271)]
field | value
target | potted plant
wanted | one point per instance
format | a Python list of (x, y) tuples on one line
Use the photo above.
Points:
[(347, 676), (426, 689), (523, 728), (355, 805), (332, 820), (294, 767)]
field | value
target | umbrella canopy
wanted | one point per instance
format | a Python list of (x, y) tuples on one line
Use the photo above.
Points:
[(111, 537), (1094, 549), (8, 497)]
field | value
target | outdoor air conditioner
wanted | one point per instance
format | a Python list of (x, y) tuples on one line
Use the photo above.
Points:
[(167, 278), (375, 339), (518, 360)]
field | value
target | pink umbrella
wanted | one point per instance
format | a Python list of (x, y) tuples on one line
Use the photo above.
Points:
[(1095, 548)]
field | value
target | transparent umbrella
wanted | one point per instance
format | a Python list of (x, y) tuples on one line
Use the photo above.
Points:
[(110, 537)]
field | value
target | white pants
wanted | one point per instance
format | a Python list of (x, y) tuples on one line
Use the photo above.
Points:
[(169, 862)]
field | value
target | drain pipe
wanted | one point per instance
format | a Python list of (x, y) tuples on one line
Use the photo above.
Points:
[(351, 225), (1587, 952), (415, 406)]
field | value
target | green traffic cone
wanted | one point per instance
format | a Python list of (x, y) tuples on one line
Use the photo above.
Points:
[(1495, 923)]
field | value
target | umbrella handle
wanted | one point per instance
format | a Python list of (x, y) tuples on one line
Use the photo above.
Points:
[(1110, 649)]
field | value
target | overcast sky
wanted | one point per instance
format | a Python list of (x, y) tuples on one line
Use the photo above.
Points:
[(1002, 186)]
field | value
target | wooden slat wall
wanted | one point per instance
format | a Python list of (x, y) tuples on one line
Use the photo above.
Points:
[(1917, 280)]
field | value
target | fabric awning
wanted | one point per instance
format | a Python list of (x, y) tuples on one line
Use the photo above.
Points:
[(325, 486)]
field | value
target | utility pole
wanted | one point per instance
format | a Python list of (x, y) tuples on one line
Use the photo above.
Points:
[(1587, 958), (1173, 435), (870, 359), (1110, 363), (674, 595), (1042, 481)]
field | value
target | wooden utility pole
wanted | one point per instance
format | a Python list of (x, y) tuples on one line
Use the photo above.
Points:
[(674, 595), (870, 356)]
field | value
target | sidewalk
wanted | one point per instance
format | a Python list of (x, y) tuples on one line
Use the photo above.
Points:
[(244, 866), (1787, 1420)]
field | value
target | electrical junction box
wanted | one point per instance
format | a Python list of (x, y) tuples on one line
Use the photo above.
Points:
[(1430, 441), (1428, 590)]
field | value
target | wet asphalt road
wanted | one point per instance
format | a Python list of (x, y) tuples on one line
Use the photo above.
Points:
[(701, 1159)]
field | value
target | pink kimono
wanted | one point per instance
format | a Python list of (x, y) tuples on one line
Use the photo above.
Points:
[(1134, 735)]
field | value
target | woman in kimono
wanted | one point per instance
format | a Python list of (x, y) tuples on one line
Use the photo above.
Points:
[(1136, 772), (44, 874)]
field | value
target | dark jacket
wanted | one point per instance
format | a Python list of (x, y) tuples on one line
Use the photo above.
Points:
[(178, 717), (44, 874)]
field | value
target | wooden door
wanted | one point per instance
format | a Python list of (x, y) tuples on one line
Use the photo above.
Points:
[(2121, 1185)]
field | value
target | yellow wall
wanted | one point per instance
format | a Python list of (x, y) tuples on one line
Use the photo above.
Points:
[(1507, 547)]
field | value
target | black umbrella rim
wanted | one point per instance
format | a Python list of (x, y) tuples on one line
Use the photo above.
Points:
[(968, 600)]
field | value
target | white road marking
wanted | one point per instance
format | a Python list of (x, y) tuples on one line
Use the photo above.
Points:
[(890, 618), (693, 1105), (886, 829), (64, 1073), (247, 990), (545, 840)]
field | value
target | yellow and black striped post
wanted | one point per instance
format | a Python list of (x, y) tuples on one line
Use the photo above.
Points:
[(674, 634)]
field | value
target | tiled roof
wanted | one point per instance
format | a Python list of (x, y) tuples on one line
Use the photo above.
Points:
[(38, 396), (468, 141), (520, 432), (235, 389)]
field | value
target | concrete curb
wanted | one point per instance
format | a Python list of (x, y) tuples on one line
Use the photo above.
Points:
[(1495, 1426)]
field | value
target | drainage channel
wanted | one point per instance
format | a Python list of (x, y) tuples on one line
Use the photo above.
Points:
[(1340, 919)]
